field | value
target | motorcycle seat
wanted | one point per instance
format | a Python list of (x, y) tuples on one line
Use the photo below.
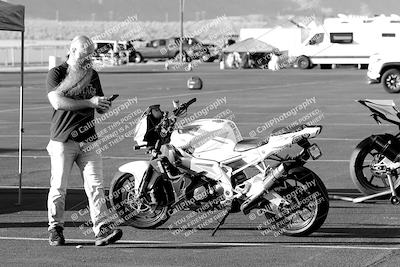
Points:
[(248, 143)]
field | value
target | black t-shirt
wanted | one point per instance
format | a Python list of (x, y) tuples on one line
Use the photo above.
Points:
[(76, 125)]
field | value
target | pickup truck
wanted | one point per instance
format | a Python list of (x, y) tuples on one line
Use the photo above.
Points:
[(169, 49), (385, 68)]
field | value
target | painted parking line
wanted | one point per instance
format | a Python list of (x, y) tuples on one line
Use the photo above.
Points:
[(342, 247), (237, 123), (143, 158), (25, 109), (207, 244), (128, 112), (324, 124), (47, 136), (199, 93), (25, 136), (45, 157)]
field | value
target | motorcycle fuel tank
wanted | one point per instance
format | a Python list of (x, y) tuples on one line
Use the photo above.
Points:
[(212, 139)]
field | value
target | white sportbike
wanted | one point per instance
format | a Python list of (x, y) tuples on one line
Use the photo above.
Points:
[(207, 165)]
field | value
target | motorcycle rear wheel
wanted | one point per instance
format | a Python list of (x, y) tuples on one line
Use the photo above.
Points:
[(363, 172), (136, 212), (307, 195)]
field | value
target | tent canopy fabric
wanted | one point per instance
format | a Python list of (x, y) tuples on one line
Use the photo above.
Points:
[(11, 17), (250, 45)]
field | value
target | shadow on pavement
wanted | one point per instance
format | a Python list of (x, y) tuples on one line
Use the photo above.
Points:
[(35, 199), (43, 224), (9, 150), (348, 192)]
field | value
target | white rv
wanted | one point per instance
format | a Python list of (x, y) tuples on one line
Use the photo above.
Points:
[(347, 40), (282, 38)]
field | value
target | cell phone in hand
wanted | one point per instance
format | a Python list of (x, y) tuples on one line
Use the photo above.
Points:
[(113, 97)]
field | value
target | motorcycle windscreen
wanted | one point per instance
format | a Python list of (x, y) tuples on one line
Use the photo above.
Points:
[(208, 139), (386, 109), (141, 129)]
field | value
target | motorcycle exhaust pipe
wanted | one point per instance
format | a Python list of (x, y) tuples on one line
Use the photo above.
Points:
[(387, 145), (257, 189)]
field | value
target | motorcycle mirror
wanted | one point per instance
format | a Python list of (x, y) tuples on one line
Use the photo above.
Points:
[(175, 103)]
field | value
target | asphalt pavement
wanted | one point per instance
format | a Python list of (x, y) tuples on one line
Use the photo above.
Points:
[(364, 234)]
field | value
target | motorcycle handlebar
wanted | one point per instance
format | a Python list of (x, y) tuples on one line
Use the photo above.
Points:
[(167, 123), (184, 106), (139, 147), (191, 101)]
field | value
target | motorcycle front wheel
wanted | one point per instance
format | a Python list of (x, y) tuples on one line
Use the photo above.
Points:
[(365, 172), (137, 212), (307, 204)]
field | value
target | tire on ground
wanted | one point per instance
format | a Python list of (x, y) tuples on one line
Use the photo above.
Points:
[(138, 58), (303, 62)]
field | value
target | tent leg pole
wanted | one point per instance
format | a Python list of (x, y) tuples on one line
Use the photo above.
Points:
[(21, 116), (181, 6), (20, 152)]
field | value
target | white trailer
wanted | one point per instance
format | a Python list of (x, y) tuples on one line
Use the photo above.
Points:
[(347, 40)]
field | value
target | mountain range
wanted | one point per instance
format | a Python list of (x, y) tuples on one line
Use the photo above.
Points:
[(168, 10)]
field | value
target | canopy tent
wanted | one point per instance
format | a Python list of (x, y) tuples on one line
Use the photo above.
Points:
[(12, 18), (250, 45)]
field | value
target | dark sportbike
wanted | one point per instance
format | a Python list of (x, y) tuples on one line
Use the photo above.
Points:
[(374, 164)]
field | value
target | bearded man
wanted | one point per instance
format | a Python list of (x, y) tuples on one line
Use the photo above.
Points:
[(74, 92)]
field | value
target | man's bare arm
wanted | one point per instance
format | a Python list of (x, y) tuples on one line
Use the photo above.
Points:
[(60, 102)]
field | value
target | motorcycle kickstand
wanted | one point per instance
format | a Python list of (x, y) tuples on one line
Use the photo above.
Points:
[(394, 199), (220, 223)]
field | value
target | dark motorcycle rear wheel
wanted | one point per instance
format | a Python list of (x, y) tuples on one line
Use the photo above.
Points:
[(306, 194), (363, 170), (138, 213)]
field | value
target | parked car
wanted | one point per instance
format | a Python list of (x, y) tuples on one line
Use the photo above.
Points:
[(214, 53), (385, 68), (115, 52), (170, 49)]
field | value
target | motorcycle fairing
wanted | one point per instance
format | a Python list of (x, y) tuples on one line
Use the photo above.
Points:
[(286, 130), (247, 144), (209, 168), (208, 139), (385, 109), (277, 143), (137, 169), (222, 148), (142, 169)]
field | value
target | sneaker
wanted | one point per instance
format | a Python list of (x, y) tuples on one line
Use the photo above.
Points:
[(107, 235), (56, 237)]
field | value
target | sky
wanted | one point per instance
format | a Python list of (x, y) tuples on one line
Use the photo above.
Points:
[(168, 10)]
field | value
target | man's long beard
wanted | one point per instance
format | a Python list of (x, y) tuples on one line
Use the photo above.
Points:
[(75, 83)]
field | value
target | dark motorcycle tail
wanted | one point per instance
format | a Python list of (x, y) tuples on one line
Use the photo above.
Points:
[(372, 161), (387, 145)]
